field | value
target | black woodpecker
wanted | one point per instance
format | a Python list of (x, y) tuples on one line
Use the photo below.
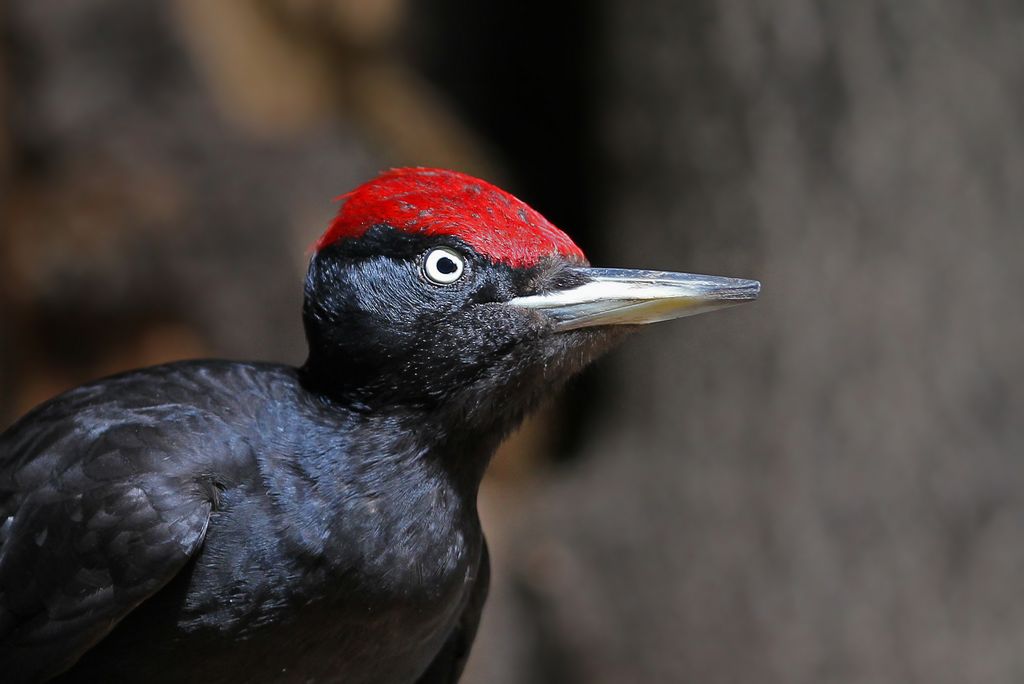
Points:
[(221, 521)]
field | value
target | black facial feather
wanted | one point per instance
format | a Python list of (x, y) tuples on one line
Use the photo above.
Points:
[(380, 333)]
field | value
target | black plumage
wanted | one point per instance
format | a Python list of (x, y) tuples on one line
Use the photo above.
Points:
[(273, 525)]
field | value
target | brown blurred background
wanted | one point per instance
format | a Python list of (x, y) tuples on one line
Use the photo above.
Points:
[(827, 486)]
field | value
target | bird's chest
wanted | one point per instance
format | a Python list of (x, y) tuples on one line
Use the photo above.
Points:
[(377, 584)]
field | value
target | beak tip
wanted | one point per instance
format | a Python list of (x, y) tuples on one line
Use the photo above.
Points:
[(736, 291)]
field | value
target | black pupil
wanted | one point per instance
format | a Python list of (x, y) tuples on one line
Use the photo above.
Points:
[(447, 265)]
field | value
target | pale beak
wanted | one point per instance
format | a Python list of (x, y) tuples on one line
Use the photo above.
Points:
[(616, 296)]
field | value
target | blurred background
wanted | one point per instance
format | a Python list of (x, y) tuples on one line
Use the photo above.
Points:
[(827, 486)]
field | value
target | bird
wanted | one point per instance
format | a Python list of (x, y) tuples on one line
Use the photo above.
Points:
[(249, 521)]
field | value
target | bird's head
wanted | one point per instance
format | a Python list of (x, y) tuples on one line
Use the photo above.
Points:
[(435, 289)]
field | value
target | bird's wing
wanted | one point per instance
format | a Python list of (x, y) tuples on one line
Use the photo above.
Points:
[(447, 666), (89, 527), (72, 567)]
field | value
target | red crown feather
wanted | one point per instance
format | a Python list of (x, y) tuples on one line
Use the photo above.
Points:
[(438, 202)]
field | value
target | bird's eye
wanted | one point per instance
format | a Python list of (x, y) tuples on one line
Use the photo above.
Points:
[(443, 266)]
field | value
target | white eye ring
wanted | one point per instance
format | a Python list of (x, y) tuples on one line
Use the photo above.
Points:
[(443, 266)]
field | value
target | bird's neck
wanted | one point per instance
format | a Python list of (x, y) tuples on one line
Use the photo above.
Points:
[(452, 439), (461, 429)]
